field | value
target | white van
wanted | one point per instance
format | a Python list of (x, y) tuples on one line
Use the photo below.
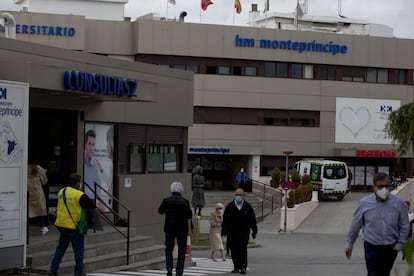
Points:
[(328, 177)]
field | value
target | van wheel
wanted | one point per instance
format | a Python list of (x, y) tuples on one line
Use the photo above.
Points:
[(340, 197)]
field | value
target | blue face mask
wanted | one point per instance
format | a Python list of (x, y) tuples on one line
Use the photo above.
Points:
[(238, 198)]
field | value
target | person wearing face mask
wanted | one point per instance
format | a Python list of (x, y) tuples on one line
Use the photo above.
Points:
[(238, 219), (242, 179), (216, 220), (383, 219)]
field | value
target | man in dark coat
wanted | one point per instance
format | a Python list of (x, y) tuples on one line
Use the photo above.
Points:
[(238, 219), (177, 215)]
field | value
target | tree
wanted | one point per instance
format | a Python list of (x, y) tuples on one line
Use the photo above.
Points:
[(400, 127)]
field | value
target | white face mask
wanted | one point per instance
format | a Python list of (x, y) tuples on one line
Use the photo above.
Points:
[(383, 193)]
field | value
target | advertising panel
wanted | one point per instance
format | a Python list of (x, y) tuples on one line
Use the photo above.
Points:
[(363, 120), (14, 100), (98, 162)]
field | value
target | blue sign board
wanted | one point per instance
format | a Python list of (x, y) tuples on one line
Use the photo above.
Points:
[(99, 84)]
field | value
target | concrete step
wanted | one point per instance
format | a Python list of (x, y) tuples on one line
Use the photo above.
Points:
[(43, 258), (149, 255), (49, 241)]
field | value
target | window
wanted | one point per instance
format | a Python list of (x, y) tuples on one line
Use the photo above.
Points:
[(179, 66), (347, 78), (250, 71), (270, 69), (244, 71), (299, 122), (398, 76), (382, 75), (296, 71), (136, 159), (328, 74), (224, 70), (276, 121), (334, 172), (211, 69), (308, 71), (282, 70), (192, 68), (163, 158), (372, 75)]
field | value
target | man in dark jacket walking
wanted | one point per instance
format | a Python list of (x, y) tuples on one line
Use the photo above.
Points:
[(238, 219), (177, 215)]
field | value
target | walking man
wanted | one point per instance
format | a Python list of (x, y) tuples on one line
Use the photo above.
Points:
[(383, 218), (238, 219), (71, 202), (177, 212)]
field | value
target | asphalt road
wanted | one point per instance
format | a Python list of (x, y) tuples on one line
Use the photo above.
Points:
[(316, 248)]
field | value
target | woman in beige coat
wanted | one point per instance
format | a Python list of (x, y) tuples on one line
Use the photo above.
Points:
[(216, 219), (36, 178)]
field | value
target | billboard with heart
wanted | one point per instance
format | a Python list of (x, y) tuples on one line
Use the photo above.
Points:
[(363, 120)]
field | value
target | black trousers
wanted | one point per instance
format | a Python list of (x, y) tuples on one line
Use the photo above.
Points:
[(379, 259), (238, 247)]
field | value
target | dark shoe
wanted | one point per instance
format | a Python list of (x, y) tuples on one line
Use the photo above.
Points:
[(235, 270), (51, 273), (243, 271), (169, 273)]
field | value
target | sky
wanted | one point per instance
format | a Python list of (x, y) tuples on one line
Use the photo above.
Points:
[(397, 14)]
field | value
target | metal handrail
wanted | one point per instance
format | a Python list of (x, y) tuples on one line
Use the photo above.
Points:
[(268, 196), (114, 213)]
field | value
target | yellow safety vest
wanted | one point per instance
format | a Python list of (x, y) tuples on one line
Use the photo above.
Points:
[(63, 218)]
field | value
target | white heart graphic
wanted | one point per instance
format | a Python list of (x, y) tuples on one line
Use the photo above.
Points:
[(355, 120)]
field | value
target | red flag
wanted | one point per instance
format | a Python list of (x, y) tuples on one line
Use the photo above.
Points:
[(205, 4), (237, 6)]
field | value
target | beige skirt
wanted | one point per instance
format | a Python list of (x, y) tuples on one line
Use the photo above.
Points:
[(216, 241)]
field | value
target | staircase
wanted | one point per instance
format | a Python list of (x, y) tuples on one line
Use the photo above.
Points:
[(105, 251)]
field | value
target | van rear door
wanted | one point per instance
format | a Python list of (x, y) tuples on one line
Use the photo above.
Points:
[(334, 178)]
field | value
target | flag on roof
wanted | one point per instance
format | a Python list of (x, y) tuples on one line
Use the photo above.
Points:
[(205, 4), (238, 6), (267, 6)]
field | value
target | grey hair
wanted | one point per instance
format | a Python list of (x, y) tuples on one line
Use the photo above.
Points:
[(176, 187), (380, 176)]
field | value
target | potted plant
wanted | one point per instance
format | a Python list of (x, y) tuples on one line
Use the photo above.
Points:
[(299, 195), (276, 176), (295, 177), (291, 198)]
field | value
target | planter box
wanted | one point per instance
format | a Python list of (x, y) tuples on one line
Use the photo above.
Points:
[(297, 214)]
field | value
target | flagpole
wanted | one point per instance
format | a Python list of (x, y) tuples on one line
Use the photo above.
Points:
[(166, 17), (200, 12)]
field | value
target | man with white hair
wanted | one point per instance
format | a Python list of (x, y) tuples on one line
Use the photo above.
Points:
[(177, 213)]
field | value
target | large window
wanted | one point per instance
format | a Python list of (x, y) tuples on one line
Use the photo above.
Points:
[(253, 116), (137, 159), (276, 69), (377, 75), (163, 158), (328, 74)]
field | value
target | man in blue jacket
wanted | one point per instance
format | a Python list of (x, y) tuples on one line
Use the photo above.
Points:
[(242, 179)]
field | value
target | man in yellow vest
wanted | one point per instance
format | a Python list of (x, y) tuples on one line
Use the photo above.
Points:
[(71, 201)]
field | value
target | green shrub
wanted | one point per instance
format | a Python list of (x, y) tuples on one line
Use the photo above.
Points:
[(306, 179), (276, 176), (295, 176)]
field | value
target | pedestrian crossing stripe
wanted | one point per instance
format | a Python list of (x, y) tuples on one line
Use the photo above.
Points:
[(204, 266)]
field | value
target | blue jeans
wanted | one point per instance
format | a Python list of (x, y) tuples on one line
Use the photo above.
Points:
[(69, 236), (169, 246)]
